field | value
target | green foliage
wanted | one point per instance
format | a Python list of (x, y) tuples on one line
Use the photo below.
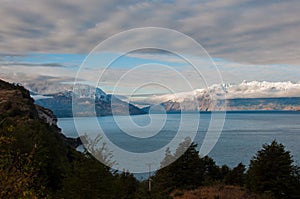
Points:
[(126, 186), (188, 171), (36, 162), (212, 172), (184, 172), (224, 170), (236, 176), (87, 178), (17, 172), (272, 171)]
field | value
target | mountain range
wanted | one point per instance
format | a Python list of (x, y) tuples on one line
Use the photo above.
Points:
[(89, 102), (232, 97), (219, 97)]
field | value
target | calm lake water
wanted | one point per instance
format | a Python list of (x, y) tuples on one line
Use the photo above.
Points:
[(242, 136)]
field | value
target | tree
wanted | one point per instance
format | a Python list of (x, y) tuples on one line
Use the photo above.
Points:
[(272, 171), (224, 170), (211, 170), (188, 168), (126, 185), (168, 159), (185, 172), (236, 176), (98, 149)]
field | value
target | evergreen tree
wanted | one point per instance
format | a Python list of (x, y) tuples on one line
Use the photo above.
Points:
[(236, 176), (211, 170), (188, 168), (186, 172), (272, 171), (224, 170)]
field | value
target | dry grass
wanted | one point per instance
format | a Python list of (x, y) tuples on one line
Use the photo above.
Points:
[(217, 192)]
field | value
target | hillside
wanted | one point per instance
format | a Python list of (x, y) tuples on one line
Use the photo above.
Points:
[(37, 161), (16, 101)]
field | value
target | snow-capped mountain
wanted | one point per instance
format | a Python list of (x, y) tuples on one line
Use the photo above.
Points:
[(48, 89), (219, 97), (88, 99), (245, 96), (246, 89), (263, 89)]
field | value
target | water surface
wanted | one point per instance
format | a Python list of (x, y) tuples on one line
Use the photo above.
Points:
[(242, 136)]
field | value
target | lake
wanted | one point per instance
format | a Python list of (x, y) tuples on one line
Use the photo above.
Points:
[(242, 136)]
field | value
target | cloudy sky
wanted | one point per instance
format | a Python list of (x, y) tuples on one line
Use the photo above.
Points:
[(248, 39)]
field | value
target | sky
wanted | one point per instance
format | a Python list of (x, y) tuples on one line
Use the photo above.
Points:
[(246, 40)]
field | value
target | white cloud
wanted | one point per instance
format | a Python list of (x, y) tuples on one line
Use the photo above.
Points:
[(256, 40), (261, 32)]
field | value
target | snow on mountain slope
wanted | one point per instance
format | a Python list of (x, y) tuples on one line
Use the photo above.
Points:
[(244, 96), (83, 90), (254, 89), (88, 99), (263, 89)]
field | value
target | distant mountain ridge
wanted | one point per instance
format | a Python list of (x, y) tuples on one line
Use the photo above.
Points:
[(240, 104), (219, 97), (89, 101), (230, 97)]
